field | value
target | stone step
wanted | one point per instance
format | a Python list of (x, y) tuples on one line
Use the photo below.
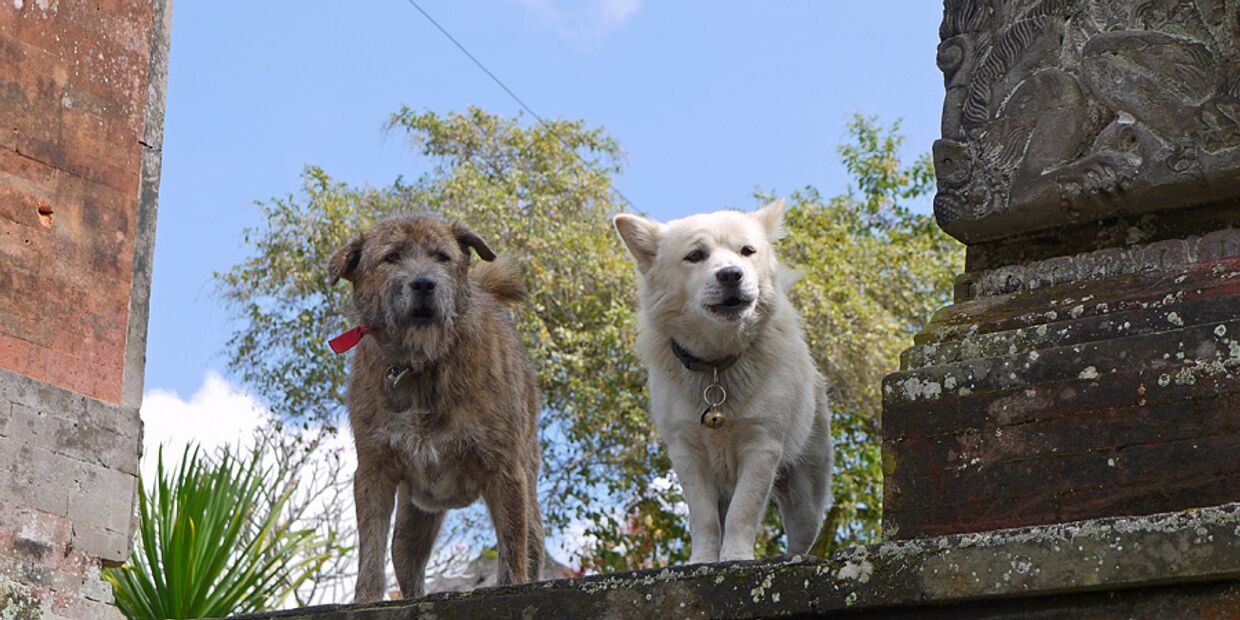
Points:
[(1155, 360), (1076, 301), (1103, 326)]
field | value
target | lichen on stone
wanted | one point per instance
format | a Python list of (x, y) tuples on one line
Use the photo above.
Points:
[(18, 601)]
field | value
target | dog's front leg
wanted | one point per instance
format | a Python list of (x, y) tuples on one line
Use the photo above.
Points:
[(755, 477), (413, 538), (373, 493), (507, 498), (702, 496)]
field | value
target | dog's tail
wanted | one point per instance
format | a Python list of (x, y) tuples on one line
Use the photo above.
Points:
[(501, 279)]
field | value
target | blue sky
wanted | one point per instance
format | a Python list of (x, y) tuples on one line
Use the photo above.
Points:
[(710, 100)]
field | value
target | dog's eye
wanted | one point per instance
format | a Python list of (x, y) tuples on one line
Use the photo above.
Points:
[(748, 251), (442, 257), (392, 257), (695, 256)]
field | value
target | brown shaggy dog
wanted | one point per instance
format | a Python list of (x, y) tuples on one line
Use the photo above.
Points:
[(442, 400)]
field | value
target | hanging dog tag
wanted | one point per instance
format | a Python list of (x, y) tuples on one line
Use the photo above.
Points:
[(714, 395)]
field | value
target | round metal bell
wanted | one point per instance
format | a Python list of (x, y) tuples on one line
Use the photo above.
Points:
[(714, 418)]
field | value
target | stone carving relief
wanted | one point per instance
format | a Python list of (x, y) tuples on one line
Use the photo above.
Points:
[(1066, 111)]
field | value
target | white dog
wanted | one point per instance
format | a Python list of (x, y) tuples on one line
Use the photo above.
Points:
[(733, 389)]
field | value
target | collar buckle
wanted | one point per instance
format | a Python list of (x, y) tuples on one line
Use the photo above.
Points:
[(395, 373)]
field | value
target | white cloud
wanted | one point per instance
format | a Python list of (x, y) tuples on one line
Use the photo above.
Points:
[(218, 413), (571, 541), (615, 12), (584, 24)]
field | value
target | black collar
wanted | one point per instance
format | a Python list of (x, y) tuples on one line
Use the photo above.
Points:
[(697, 364)]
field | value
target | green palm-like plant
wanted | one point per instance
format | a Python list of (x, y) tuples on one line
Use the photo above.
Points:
[(210, 545)]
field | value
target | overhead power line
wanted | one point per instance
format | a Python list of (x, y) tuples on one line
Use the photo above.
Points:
[(509, 91)]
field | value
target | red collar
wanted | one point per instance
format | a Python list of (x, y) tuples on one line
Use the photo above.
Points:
[(349, 339)]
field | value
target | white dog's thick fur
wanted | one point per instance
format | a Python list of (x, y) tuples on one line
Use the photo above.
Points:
[(712, 283)]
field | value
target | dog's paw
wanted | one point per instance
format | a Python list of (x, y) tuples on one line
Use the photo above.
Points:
[(735, 556)]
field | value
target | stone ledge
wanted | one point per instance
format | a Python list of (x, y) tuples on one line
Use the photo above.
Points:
[(1199, 547), (1159, 256)]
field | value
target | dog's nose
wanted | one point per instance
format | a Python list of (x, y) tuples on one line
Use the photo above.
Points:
[(729, 275), (422, 285)]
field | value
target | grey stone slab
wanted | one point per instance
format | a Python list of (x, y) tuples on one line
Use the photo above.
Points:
[(122, 420), (101, 498), (110, 546), (95, 588), (83, 438), (35, 477), (36, 394), (1122, 554)]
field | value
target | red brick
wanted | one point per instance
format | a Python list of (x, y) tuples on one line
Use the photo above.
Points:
[(14, 353)]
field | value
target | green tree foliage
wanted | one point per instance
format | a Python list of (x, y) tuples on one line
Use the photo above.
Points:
[(543, 193), (210, 545)]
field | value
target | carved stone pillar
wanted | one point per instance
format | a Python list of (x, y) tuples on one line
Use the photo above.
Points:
[(1090, 366)]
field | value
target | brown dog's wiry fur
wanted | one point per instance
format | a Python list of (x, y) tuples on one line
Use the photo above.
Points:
[(460, 423)]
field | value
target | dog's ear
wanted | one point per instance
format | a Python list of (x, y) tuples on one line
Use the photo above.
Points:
[(470, 239), (641, 236), (771, 217), (343, 263)]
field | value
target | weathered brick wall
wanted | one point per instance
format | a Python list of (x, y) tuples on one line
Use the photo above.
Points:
[(74, 91), (81, 118)]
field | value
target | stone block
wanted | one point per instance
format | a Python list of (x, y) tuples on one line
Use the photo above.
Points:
[(101, 498), (22, 390), (1092, 399), (79, 608), (94, 588), (1218, 245), (110, 546), (18, 600), (69, 424), (35, 477)]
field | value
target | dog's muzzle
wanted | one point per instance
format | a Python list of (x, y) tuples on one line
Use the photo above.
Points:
[(732, 304), (731, 297), (422, 289)]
